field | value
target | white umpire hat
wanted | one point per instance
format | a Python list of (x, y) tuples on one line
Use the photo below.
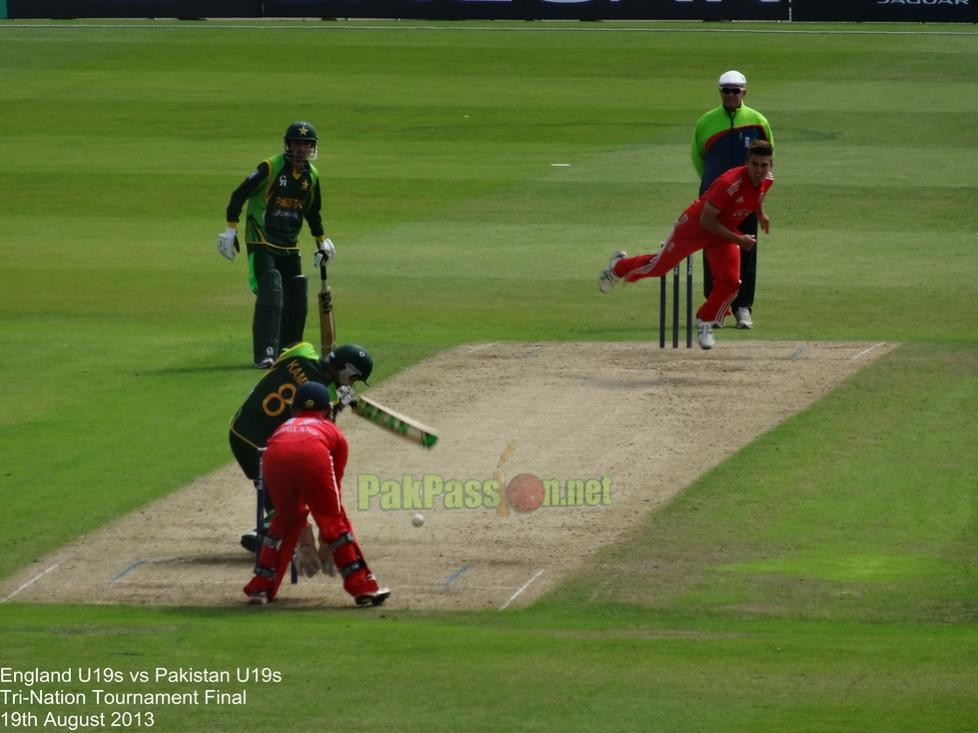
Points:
[(732, 78)]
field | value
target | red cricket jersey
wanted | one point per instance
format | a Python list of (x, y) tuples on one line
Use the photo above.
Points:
[(310, 431), (734, 195)]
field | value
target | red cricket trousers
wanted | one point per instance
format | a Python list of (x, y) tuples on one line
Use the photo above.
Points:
[(301, 477), (685, 239)]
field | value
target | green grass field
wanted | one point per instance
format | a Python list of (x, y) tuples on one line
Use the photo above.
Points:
[(825, 578)]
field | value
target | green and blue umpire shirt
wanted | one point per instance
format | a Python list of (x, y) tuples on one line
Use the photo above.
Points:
[(721, 140)]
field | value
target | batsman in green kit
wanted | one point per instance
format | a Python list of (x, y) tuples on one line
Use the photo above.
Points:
[(279, 194), (267, 406)]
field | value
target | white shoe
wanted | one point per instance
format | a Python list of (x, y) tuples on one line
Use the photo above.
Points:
[(705, 330), (259, 598), (607, 279), (373, 598), (743, 318)]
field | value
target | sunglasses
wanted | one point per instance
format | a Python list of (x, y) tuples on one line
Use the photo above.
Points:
[(730, 90)]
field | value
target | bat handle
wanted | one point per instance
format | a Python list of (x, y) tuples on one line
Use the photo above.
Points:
[(322, 272)]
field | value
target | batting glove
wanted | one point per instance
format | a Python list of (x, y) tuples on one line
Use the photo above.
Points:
[(324, 253), (346, 395), (227, 243)]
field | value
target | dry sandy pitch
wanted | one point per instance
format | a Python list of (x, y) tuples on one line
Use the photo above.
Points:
[(631, 423)]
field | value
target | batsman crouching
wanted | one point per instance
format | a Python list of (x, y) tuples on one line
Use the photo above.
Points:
[(303, 469), (267, 406)]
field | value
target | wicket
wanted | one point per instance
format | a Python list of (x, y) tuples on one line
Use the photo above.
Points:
[(663, 301)]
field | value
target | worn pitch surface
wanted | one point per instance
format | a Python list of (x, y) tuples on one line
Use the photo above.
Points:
[(613, 430)]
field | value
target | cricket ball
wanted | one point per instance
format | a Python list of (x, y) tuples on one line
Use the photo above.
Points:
[(525, 493), (417, 520)]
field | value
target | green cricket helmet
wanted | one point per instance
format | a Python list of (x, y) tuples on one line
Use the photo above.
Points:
[(350, 363), (301, 131)]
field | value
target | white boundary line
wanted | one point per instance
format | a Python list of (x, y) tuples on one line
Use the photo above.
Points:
[(866, 351), (31, 582), (521, 589), (259, 24)]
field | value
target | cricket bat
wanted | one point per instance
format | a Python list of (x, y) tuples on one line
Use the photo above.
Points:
[(395, 422), (327, 325)]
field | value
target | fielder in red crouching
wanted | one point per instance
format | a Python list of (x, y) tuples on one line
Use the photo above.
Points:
[(710, 224), (303, 469)]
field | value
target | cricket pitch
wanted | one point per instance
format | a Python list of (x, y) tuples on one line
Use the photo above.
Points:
[(612, 430)]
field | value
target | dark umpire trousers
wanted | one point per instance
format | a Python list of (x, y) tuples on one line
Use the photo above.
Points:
[(748, 269)]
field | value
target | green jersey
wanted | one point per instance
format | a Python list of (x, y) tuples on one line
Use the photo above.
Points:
[(721, 140), (267, 406), (279, 195)]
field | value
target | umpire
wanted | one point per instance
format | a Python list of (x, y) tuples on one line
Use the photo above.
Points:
[(720, 142)]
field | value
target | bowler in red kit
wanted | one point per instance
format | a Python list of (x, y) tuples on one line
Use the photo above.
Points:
[(709, 224)]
